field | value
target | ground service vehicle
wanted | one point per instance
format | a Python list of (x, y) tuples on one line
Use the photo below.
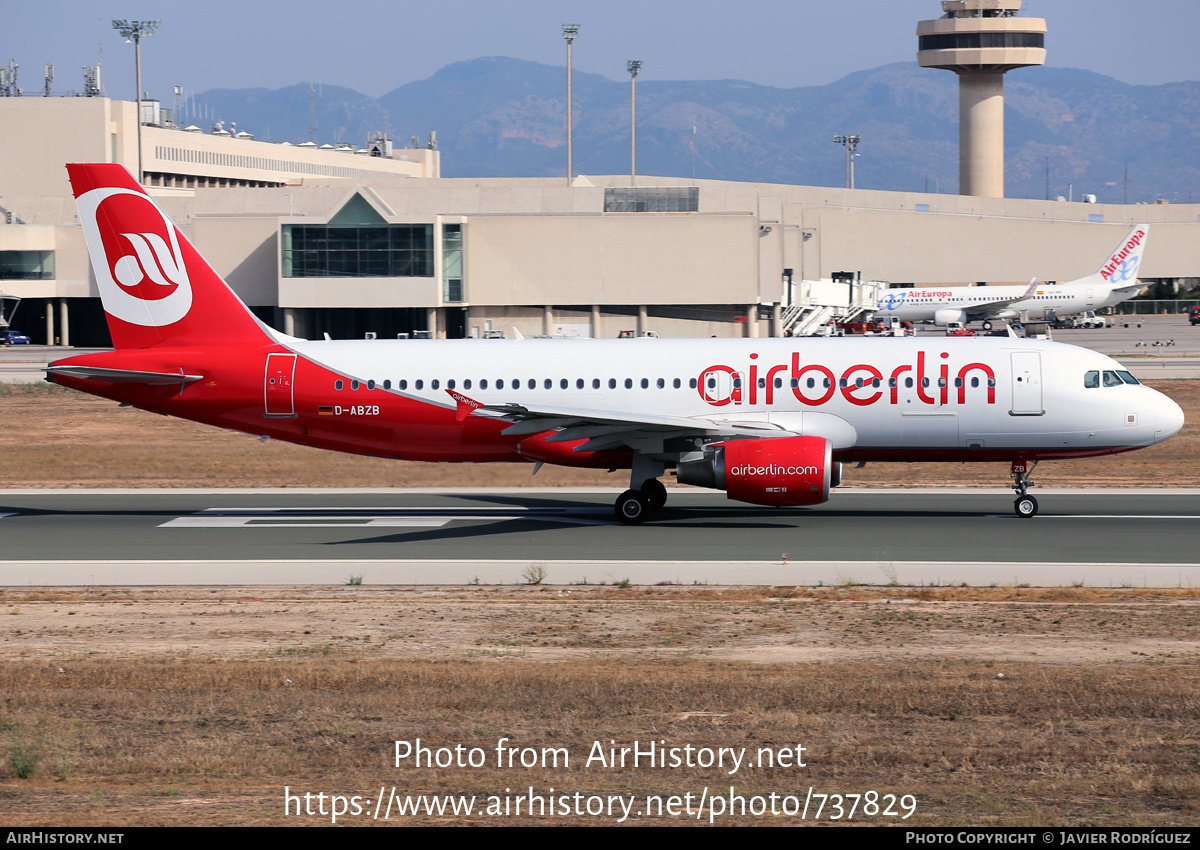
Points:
[(769, 421), (11, 337)]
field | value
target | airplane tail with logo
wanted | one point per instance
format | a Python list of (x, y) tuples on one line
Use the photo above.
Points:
[(1120, 270), (155, 286)]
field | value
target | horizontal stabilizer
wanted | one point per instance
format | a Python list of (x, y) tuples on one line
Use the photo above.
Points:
[(123, 376)]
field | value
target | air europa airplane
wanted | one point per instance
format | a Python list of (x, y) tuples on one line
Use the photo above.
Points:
[(769, 421), (1115, 281)]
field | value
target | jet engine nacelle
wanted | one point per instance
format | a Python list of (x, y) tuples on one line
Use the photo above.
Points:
[(779, 471), (941, 318)]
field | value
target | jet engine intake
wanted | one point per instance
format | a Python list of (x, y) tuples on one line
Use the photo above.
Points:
[(941, 318)]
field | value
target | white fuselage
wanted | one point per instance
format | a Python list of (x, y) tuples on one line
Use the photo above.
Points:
[(1046, 302), (908, 397)]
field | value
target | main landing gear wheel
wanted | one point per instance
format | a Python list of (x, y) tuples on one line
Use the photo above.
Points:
[(1025, 506), (632, 507), (654, 490), (987, 326)]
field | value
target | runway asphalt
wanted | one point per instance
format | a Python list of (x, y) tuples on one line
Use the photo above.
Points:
[(933, 537), (914, 537)]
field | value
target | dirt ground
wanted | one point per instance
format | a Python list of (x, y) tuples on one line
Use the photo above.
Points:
[(571, 623), (55, 437), (1003, 706)]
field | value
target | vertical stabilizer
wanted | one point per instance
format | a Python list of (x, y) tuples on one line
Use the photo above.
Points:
[(156, 288), (1121, 267)]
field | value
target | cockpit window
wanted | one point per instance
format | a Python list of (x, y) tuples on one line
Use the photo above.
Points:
[(1111, 379), (1091, 380), (1127, 377)]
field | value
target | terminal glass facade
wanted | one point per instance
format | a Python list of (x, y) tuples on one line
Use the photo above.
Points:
[(661, 199), (452, 263), (26, 265), (355, 250)]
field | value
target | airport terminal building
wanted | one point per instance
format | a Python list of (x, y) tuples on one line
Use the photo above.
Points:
[(351, 241)]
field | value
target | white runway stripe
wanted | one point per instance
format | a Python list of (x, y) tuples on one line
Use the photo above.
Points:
[(341, 517)]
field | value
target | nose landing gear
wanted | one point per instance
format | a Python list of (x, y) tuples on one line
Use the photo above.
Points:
[(1025, 506)]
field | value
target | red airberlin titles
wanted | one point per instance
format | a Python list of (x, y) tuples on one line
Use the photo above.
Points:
[(768, 421), (854, 381)]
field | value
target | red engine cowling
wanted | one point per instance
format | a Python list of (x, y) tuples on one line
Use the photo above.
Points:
[(780, 471)]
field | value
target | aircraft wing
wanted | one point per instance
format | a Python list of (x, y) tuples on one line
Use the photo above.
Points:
[(605, 429), (990, 308)]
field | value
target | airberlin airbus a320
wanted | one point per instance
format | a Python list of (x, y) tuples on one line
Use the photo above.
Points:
[(769, 421)]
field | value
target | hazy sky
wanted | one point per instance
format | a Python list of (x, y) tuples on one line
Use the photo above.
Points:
[(375, 46)]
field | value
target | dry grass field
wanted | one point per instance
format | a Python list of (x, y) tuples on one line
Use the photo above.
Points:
[(55, 437), (989, 707), (198, 706)]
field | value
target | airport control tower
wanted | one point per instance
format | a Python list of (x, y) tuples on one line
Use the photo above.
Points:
[(980, 40)]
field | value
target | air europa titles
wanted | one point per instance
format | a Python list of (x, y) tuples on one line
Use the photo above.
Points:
[(1114, 262), (862, 384)]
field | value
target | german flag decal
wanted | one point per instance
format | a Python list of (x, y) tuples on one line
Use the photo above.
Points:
[(325, 410)]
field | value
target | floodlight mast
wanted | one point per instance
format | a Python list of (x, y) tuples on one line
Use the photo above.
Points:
[(633, 66), (134, 31), (570, 33), (850, 143)]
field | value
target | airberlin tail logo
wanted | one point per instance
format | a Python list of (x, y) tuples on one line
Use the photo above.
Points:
[(136, 256)]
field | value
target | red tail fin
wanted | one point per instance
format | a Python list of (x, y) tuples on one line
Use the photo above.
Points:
[(155, 286)]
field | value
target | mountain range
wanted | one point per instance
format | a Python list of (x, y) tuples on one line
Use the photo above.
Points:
[(502, 117)]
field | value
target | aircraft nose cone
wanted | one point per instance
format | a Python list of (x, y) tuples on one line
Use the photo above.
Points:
[(1168, 419)]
